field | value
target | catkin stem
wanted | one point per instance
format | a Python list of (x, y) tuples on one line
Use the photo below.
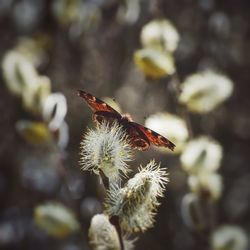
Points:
[(114, 220)]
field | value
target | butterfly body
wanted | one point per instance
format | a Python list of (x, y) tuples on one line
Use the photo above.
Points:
[(140, 136)]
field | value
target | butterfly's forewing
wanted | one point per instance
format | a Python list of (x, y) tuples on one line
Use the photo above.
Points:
[(96, 104), (137, 138), (155, 138)]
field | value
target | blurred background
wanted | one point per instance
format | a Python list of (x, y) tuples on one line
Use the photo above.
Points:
[(51, 48)]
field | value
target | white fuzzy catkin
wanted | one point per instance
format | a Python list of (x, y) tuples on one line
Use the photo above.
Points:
[(201, 154), (206, 184), (135, 204), (106, 148), (102, 234), (160, 34), (203, 92), (55, 219), (191, 212), (229, 237)]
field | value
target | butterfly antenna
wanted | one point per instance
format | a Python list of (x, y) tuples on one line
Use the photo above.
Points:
[(78, 92), (81, 93)]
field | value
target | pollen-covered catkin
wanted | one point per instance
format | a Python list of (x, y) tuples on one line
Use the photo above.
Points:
[(106, 148), (136, 202)]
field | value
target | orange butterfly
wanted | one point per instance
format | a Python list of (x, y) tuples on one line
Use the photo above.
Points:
[(140, 136)]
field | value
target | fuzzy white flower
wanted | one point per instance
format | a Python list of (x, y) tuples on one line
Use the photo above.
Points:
[(102, 234), (18, 72), (22, 79), (171, 126), (35, 133), (135, 204), (191, 212), (207, 185), (229, 237), (106, 148), (55, 219), (153, 63), (202, 153), (160, 34), (63, 135), (33, 97), (54, 110), (129, 13), (203, 92), (34, 49)]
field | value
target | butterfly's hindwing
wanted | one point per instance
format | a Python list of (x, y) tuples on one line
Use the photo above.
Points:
[(137, 139), (155, 138)]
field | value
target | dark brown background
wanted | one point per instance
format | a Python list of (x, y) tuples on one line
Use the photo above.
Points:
[(213, 33)]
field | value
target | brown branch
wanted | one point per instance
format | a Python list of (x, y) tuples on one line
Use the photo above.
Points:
[(114, 219)]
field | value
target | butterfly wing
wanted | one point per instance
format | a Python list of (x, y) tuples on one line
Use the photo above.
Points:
[(110, 117), (96, 104), (154, 138), (140, 136), (137, 138)]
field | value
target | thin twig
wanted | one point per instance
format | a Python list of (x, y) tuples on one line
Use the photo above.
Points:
[(114, 219)]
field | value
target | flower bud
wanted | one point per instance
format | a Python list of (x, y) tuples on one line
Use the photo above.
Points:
[(153, 63), (130, 13), (135, 204), (229, 237), (208, 185), (54, 110), (201, 154), (191, 211), (102, 234), (107, 149), (203, 92), (160, 34), (55, 219), (33, 97), (18, 72), (35, 133), (22, 79)]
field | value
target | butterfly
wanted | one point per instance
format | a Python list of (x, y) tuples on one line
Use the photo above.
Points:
[(140, 137)]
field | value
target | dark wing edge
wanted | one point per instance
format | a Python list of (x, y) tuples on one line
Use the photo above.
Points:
[(155, 138), (94, 103)]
